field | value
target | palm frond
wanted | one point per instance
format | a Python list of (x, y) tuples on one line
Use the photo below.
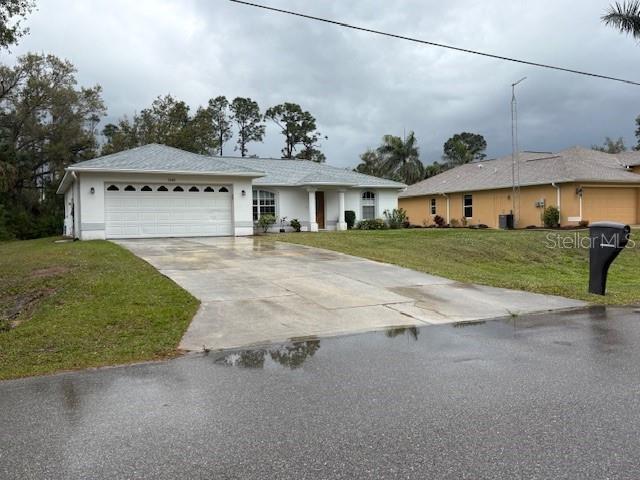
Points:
[(625, 17)]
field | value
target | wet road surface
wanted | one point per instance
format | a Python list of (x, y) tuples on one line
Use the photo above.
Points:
[(556, 396)]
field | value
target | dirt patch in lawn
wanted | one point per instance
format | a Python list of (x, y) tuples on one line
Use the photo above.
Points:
[(49, 272), (21, 306)]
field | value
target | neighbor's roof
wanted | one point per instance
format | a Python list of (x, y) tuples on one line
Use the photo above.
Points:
[(280, 172), (575, 164), (155, 158), (630, 158)]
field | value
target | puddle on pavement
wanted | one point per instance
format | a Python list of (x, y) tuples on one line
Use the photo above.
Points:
[(562, 329), (290, 355)]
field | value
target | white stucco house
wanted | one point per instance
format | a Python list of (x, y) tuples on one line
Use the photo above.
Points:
[(159, 191)]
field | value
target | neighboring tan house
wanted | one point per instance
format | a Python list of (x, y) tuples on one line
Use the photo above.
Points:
[(159, 191), (584, 184)]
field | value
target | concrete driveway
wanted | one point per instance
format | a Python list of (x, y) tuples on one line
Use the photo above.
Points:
[(255, 291)]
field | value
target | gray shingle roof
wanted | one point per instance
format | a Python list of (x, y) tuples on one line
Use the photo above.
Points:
[(301, 172), (630, 158), (575, 164), (160, 158)]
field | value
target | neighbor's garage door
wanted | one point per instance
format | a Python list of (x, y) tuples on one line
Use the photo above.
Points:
[(615, 204), (174, 210)]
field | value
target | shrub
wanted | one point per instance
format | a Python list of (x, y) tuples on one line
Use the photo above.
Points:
[(295, 224), (454, 223), (439, 221), (266, 221), (583, 223), (396, 218), (551, 217), (464, 222), (350, 218), (374, 224)]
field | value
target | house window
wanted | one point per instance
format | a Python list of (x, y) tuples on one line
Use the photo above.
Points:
[(194, 189), (129, 188), (224, 190), (146, 188), (468, 206), (368, 205), (209, 190), (162, 188), (178, 189), (433, 206), (113, 188), (264, 203)]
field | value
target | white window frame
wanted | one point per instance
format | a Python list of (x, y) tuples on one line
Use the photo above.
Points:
[(369, 202), (254, 204)]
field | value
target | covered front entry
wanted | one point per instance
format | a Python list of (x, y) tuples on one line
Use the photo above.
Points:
[(136, 210), (320, 210)]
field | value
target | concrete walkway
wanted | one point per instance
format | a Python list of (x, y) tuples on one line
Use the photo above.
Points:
[(255, 291)]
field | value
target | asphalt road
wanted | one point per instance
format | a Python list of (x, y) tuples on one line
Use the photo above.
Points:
[(551, 397)]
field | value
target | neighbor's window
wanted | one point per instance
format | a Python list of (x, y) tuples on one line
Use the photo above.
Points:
[(368, 206), (468, 206), (433, 206), (264, 203)]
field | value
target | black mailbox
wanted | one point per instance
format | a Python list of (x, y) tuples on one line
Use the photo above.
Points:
[(607, 239)]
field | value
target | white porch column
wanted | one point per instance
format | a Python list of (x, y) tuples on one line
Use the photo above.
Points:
[(342, 225), (313, 225)]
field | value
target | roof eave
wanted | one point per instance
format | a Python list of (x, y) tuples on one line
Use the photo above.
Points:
[(64, 183), (255, 174)]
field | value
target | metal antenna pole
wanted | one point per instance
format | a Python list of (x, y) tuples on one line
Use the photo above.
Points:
[(515, 163)]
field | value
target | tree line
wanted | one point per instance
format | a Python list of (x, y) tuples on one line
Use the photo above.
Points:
[(207, 130), (617, 145), (398, 158)]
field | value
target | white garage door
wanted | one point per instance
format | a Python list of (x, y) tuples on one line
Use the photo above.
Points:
[(174, 210)]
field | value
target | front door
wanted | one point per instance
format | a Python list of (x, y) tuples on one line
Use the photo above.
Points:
[(320, 209)]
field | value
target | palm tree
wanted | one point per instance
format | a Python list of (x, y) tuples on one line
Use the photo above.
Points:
[(400, 158), (625, 17), (371, 164)]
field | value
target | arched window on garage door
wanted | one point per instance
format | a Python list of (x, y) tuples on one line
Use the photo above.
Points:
[(178, 189), (223, 190), (129, 188), (162, 188), (113, 188), (209, 190)]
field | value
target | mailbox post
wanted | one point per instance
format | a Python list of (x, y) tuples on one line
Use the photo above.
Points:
[(607, 239)]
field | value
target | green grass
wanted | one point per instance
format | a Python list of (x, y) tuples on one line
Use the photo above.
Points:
[(84, 304), (511, 259)]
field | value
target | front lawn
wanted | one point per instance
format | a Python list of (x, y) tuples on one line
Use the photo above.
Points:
[(84, 304), (512, 259)]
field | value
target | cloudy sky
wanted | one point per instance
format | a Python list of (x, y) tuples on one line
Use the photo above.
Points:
[(360, 86)]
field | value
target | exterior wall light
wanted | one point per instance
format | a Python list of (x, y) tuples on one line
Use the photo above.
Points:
[(244, 194), (92, 190)]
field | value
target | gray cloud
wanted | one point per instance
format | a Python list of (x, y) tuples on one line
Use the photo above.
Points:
[(357, 85)]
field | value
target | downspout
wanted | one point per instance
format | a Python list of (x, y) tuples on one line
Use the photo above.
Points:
[(580, 202), (557, 187)]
